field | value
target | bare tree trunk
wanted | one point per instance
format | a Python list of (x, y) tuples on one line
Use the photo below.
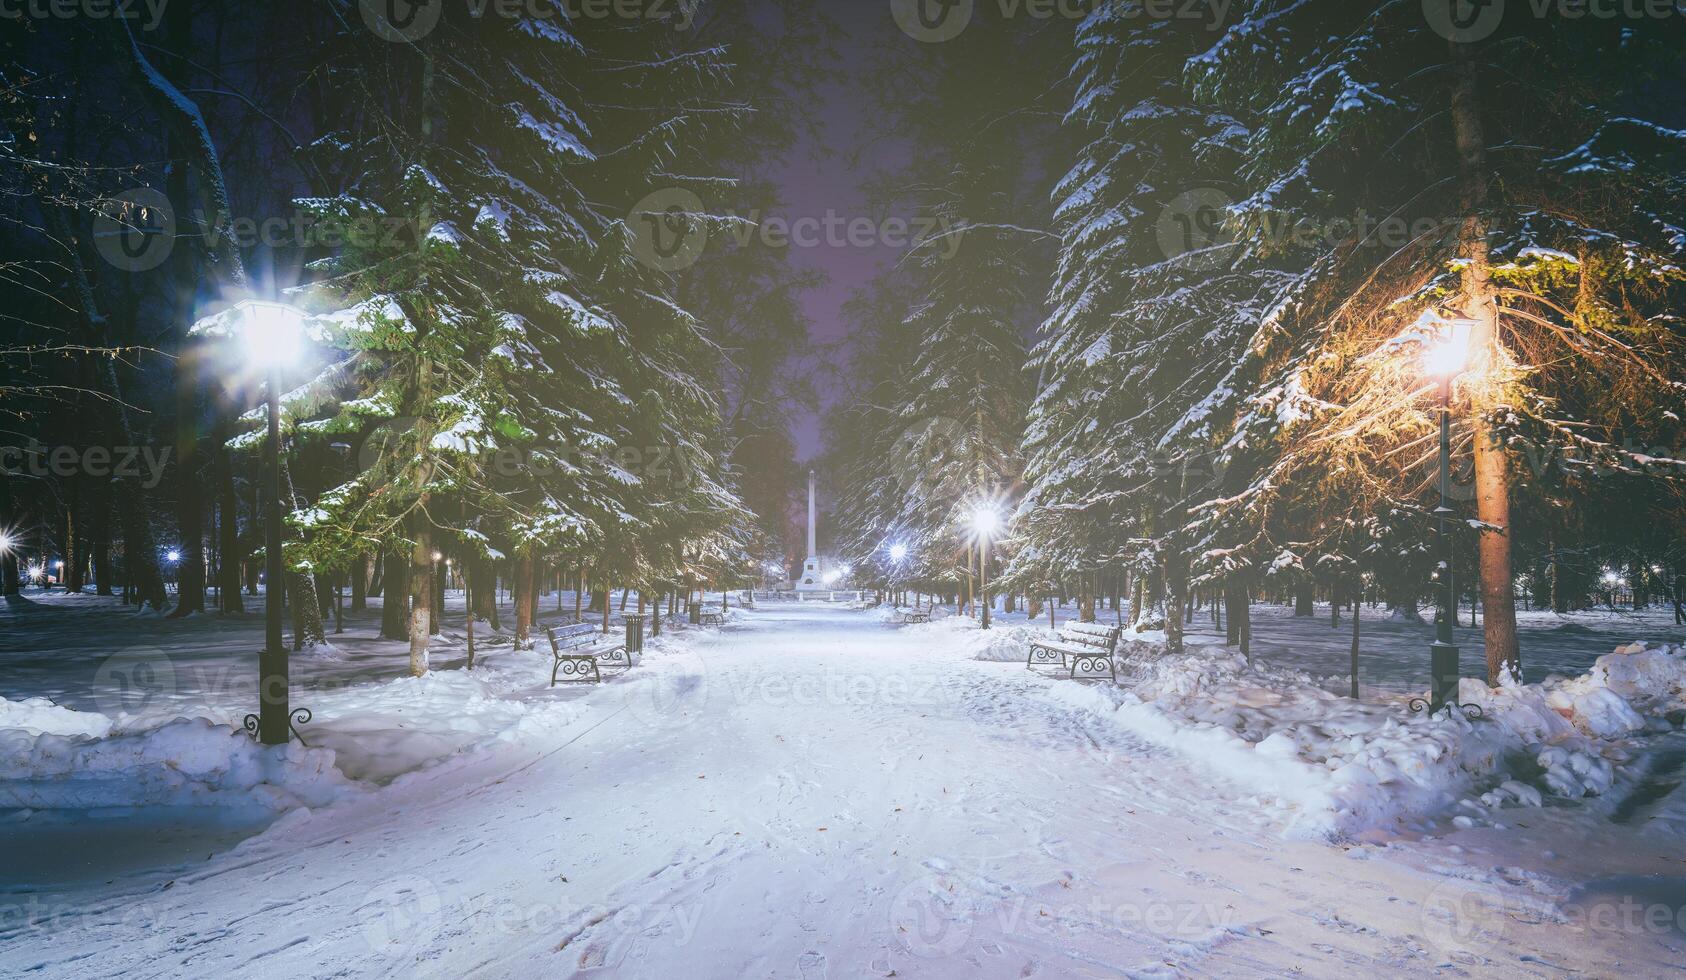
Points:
[(71, 578), (1492, 469), (421, 594), (485, 586), (307, 601), (468, 619), (395, 596), (360, 584), (140, 558), (523, 603), (1356, 616), (1232, 606), (228, 525), (1305, 598)]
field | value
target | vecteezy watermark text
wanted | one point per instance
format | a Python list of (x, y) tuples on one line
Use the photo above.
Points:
[(935, 21), (408, 21), (671, 228), (143, 463), (148, 14)]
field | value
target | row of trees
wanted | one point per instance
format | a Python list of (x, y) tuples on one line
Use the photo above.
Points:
[(1262, 228), (499, 374)]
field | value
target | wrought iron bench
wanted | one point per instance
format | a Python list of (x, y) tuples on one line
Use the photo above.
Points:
[(581, 652), (916, 615), (1086, 647), (712, 615)]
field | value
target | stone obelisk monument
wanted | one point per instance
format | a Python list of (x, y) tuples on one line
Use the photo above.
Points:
[(811, 579)]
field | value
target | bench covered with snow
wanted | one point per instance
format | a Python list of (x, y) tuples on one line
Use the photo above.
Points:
[(916, 614), (1086, 647), (581, 652), (712, 615)]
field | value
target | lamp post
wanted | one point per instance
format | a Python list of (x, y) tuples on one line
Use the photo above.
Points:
[(984, 522), (272, 333), (1444, 361)]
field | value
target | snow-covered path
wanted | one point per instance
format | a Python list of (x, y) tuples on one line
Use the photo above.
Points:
[(806, 793)]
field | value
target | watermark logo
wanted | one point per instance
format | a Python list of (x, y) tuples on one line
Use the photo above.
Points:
[(134, 681), (932, 21), (144, 465), (670, 229), (1457, 915), (675, 692), (401, 21), (147, 13), (409, 21), (929, 919), (384, 441), (400, 915), (936, 21), (668, 233), (1464, 21), (1192, 225), (921, 453), (136, 230)]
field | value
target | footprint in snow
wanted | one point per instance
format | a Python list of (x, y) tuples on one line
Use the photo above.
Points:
[(812, 965)]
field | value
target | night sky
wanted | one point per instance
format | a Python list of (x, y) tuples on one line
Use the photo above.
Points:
[(827, 176)]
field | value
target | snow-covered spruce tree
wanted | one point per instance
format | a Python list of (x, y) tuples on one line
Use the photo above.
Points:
[(982, 134), (1511, 173), (1151, 307)]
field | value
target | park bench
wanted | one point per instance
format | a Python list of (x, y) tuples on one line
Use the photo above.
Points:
[(915, 615), (1086, 647), (712, 615), (581, 652)]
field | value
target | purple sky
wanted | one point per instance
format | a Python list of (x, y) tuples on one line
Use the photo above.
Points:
[(819, 178)]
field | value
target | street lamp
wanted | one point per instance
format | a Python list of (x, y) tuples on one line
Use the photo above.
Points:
[(984, 522), (1445, 359), (274, 336)]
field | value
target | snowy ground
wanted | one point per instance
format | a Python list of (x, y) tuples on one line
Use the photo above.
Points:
[(807, 792)]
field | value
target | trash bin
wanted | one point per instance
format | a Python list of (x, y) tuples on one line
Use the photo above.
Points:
[(634, 633)]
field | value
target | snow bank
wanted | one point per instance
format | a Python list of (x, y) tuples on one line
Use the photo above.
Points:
[(39, 716), (1330, 766), (361, 734), (187, 762)]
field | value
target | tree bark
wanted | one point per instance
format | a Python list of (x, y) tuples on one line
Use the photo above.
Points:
[(140, 558), (229, 554), (360, 584), (104, 574), (421, 594), (1492, 469), (1305, 598), (523, 601), (395, 597)]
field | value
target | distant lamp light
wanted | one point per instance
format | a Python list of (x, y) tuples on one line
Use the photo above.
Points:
[(274, 333), (898, 552), (173, 557), (985, 520), (5, 543), (59, 564), (1447, 356)]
